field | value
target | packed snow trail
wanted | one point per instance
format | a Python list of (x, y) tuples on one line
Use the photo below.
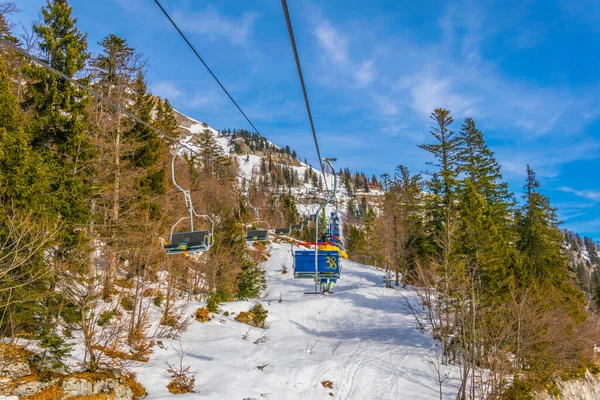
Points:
[(362, 338)]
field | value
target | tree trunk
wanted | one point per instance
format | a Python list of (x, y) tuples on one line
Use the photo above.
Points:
[(112, 265), (396, 267)]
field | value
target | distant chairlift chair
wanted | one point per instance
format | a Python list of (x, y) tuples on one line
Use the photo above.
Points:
[(193, 241), (282, 231), (256, 235)]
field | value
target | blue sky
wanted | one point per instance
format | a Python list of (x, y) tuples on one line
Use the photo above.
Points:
[(527, 72)]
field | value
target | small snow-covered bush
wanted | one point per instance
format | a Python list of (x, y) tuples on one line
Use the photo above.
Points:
[(212, 303), (245, 317), (157, 301), (124, 283), (256, 316), (260, 314), (327, 384), (202, 315), (149, 292), (182, 378), (170, 319), (127, 302), (105, 318), (181, 385)]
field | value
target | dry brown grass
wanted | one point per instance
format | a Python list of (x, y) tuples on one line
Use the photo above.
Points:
[(170, 319), (124, 283), (53, 392), (89, 376), (150, 292), (99, 396), (327, 384), (112, 352), (246, 317), (13, 384), (14, 352), (138, 390), (202, 315), (177, 386)]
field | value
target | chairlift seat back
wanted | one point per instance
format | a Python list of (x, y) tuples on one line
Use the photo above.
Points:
[(190, 242), (328, 265), (282, 231), (257, 235)]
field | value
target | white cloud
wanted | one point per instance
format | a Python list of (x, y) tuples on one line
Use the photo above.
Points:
[(332, 41), (166, 89), (593, 195), (211, 23), (364, 73), (386, 105), (382, 79), (544, 157), (429, 93)]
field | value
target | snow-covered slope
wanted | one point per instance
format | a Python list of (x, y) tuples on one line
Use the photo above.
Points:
[(363, 339), (250, 165)]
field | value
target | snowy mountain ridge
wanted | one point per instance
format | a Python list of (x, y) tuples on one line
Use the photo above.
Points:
[(249, 166)]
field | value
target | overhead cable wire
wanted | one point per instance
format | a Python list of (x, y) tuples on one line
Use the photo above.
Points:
[(121, 109), (116, 106), (286, 13), (204, 63)]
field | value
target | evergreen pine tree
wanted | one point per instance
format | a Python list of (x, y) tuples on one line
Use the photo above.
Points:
[(445, 153), (59, 127), (59, 124), (539, 238), (484, 207)]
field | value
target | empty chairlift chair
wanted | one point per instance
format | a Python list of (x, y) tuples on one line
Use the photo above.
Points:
[(282, 231), (192, 241), (189, 242), (256, 234)]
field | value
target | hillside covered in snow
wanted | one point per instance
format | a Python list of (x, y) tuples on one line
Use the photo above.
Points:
[(362, 338)]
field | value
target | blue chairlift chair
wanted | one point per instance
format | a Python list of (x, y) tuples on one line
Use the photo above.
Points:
[(192, 241)]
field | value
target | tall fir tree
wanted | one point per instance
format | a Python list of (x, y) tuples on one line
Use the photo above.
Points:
[(59, 127), (477, 162), (485, 212), (539, 238), (444, 152)]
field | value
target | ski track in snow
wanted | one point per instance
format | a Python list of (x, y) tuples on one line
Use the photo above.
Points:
[(381, 354)]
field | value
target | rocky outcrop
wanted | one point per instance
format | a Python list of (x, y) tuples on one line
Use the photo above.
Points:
[(76, 385), (14, 370), (586, 388), (29, 387)]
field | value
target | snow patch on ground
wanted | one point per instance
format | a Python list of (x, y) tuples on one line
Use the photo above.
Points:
[(363, 339)]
